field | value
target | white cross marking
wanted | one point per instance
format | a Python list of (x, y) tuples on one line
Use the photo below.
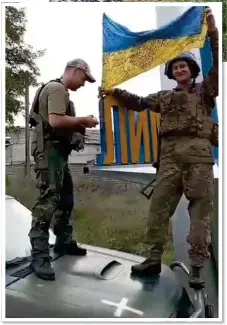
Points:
[(121, 306)]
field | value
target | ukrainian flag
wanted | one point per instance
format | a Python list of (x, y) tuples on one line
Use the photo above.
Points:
[(127, 54)]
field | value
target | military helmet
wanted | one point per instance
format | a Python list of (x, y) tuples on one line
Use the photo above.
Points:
[(189, 58)]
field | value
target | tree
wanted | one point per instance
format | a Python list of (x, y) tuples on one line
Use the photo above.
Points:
[(21, 69)]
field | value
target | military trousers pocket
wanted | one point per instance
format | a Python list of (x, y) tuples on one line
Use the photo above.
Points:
[(41, 163), (49, 179), (44, 176), (42, 172)]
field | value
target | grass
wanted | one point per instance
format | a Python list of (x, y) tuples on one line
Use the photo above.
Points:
[(103, 215)]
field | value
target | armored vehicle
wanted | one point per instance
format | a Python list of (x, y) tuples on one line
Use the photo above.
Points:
[(99, 285)]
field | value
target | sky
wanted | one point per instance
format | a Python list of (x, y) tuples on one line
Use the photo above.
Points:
[(67, 32)]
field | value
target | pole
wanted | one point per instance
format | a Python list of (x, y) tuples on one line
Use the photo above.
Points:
[(27, 133)]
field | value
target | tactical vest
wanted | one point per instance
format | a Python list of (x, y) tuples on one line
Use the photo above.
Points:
[(45, 132), (184, 114)]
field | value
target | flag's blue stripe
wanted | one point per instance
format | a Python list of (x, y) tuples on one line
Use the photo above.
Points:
[(118, 38)]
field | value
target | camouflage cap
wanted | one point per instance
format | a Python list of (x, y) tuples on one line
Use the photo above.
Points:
[(81, 64)]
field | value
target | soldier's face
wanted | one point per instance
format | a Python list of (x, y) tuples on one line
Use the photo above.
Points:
[(181, 71), (77, 79)]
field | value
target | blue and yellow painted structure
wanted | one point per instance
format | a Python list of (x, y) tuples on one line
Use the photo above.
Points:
[(127, 137)]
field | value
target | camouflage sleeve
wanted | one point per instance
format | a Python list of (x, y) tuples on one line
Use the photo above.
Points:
[(210, 83), (137, 103)]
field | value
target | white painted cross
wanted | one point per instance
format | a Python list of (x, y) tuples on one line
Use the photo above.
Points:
[(121, 306)]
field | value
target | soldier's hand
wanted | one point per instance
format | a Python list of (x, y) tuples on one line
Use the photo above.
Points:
[(90, 122), (211, 26), (104, 92)]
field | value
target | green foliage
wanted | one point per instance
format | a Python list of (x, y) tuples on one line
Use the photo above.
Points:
[(7, 183), (101, 217), (21, 69)]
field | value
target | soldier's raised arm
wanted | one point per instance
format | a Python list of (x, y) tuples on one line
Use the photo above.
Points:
[(132, 101), (210, 83)]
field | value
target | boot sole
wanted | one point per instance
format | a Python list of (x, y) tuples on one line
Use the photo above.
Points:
[(144, 273), (68, 253), (73, 254), (45, 278)]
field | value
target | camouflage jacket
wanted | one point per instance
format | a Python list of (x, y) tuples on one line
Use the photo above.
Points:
[(186, 125)]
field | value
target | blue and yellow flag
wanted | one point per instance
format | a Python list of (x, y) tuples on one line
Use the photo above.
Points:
[(127, 54)]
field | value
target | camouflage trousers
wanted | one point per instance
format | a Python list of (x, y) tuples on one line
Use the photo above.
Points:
[(196, 181), (54, 204)]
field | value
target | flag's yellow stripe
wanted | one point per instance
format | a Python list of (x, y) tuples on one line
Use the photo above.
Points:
[(124, 65)]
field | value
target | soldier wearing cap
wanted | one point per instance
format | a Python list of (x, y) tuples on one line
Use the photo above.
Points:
[(186, 160), (55, 123)]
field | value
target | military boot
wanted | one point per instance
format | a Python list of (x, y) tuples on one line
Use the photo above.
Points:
[(70, 248), (42, 267), (195, 278), (147, 267)]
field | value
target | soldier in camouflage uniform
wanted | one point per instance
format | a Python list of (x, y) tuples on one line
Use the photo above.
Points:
[(186, 161), (57, 132)]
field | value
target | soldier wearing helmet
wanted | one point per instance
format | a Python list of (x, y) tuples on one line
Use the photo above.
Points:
[(180, 67), (186, 159)]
